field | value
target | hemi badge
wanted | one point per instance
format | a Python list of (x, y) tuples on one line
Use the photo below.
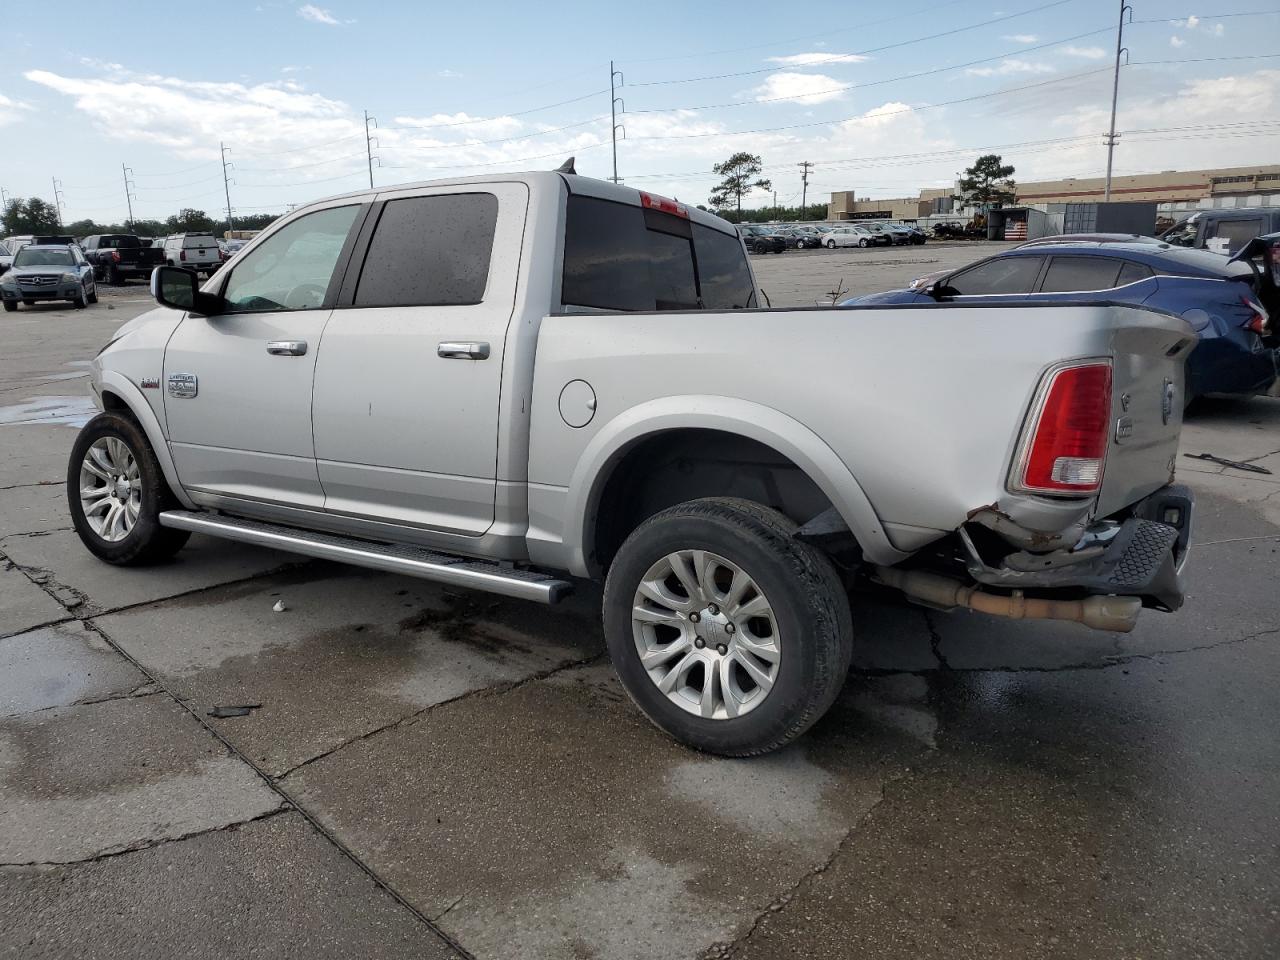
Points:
[(1124, 429), (150, 383)]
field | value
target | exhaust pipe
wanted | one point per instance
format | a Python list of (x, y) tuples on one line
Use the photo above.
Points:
[(1117, 614)]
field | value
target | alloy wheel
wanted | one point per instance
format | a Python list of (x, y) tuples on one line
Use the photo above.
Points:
[(110, 488)]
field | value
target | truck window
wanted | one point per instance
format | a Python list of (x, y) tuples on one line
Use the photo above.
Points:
[(1236, 233), (621, 257), (430, 251), (1000, 275), (191, 241), (1074, 274), (723, 275), (291, 269)]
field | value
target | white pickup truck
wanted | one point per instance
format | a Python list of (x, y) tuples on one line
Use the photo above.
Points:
[(507, 382)]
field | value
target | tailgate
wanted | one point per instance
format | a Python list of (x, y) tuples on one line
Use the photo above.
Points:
[(1146, 409)]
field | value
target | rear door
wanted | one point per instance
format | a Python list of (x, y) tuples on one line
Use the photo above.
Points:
[(409, 375)]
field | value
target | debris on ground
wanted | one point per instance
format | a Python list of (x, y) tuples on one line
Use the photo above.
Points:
[(237, 710), (279, 607), (1234, 464)]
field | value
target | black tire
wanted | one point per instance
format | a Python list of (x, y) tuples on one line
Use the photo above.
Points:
[(97, 271), (831, 244), (809, 605), (147, 542), (81, 300), (113, 276), (10, 306), (863, 243), (93, 293)]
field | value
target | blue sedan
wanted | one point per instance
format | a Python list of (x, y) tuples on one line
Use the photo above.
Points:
[(1233, 355)]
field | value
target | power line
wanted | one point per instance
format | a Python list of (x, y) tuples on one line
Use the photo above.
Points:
[(845, 57), (518, 113)]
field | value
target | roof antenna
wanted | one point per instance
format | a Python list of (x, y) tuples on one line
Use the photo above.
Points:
[(567, 167)]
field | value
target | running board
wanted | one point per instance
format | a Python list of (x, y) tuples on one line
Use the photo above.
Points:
[(389, 557)]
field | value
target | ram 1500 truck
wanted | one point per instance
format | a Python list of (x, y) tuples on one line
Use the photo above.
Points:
[(508, 382), (117, 257)]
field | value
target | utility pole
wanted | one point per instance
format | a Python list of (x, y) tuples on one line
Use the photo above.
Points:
[(804, 189), (1115, 93), (226, 183), (57, 200), (775, 204), (128, 196), (368, 145), (4, 201), (616, 79)]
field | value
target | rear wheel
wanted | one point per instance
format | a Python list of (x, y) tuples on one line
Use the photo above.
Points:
[(730, 634), (113, 276), (116, 492), (831, 244), (10, 306)]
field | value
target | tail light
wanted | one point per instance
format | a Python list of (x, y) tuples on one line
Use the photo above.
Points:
[(182, 255), (1065, 445), (651, 201), (1258, 322), (115, 255)]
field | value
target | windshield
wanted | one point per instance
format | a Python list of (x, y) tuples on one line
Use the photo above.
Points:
[(43, 257)]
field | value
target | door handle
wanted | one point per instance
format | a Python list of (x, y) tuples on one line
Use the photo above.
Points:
[(452, 350), (287, 348)]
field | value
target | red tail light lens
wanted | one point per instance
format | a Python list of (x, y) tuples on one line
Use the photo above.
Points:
[(182, 255), (1066, 446), (115, 255), (1258, 322)]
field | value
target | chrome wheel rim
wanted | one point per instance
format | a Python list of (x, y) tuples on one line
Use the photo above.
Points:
[(110, 488), (706, 635)]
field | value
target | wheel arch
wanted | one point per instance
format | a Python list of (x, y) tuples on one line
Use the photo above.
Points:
[(119, 395), (789, 440)]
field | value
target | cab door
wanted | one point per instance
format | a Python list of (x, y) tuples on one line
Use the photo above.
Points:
[(238, 384), (410, 371)]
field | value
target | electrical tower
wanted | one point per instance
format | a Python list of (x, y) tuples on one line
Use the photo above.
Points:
[(57, 200), (616, 79)]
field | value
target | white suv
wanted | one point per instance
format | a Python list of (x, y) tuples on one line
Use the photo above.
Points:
[(197, 252)]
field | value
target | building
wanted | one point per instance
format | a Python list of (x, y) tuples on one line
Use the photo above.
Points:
[(1172, 191)]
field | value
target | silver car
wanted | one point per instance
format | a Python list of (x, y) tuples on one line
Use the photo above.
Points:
[(48, 272)]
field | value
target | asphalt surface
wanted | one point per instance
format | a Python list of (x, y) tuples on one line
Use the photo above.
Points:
[(433, 773)]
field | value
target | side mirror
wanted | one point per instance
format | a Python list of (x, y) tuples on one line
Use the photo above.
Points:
[(176, 288)]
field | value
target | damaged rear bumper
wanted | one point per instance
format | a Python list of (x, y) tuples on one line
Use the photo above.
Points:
[(1139, 555)]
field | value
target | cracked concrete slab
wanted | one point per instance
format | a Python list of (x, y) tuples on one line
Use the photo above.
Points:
[(1067, 816), (204, 562), (82, 781), (34, 454), (272, 888), (39, 508), (566, 825), (23, 604), (59, 666), (353, 652)]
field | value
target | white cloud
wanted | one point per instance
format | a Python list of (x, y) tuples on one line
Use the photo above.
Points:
[(1009, 66), (805, 88), (1021, 37), (463, 125), (1176, 41), (811, 59), (1087, 53), (448, 74), (11, 110), (309, 11), (1218, 30)]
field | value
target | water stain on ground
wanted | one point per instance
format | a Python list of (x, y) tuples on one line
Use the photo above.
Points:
[(67, 411)]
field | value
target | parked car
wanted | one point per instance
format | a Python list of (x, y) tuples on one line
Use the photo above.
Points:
[(197, 252), (857, 235), (503, 382), (118, 257), (1223, 231), (6, 259), (48, 272), (793, 238), (762, 239), (18, 241), (808, 236), (1221, 299), (898, 236)]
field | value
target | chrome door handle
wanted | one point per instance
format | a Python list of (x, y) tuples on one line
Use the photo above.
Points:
[(287, 348), (452, 350)]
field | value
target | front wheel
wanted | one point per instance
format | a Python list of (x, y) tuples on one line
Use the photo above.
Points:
[(831, 244), (863, 243), (92, 296), (116, 491), (730, 634)]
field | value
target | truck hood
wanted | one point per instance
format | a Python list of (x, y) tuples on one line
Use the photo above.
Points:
[(156, 324)]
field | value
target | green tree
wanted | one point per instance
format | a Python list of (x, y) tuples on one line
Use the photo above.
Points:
[(738, 173), (989, 182), (29, 216), (188, 220)]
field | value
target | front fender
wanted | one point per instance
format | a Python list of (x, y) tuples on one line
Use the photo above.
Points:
[(729, 415), (110, 381)]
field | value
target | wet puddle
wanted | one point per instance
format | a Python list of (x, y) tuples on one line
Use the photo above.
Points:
[(71, 411)]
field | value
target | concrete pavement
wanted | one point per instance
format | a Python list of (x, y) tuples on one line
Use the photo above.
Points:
[(436, 773)]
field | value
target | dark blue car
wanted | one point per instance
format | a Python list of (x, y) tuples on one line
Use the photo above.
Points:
[(1235, 354)]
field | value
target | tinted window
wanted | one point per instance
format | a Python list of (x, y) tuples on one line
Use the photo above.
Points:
[(291, 269), (1069, 274), (1133, 272), (43, 257), (1001, 275), (1236, 232), (722, 270), (199, 240), (620, 257), (430, 252)]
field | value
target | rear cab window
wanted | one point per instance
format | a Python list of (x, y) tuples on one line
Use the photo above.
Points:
[(619, 256), (198, 240)]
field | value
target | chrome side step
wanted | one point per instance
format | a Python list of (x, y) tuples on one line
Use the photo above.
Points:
[(389, 557)]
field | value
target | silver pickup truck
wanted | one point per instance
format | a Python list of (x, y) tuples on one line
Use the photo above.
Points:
[(507, 382)]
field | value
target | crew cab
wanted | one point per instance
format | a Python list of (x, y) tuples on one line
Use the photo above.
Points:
[(117, 257), (510, 382)]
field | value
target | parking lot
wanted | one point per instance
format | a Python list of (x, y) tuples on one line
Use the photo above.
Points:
[(432, 773)]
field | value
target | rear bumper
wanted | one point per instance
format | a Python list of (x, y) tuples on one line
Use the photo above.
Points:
[(1221, 365), (1139, 555)]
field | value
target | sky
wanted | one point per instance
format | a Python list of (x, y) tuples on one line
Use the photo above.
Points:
[(883, 98)]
